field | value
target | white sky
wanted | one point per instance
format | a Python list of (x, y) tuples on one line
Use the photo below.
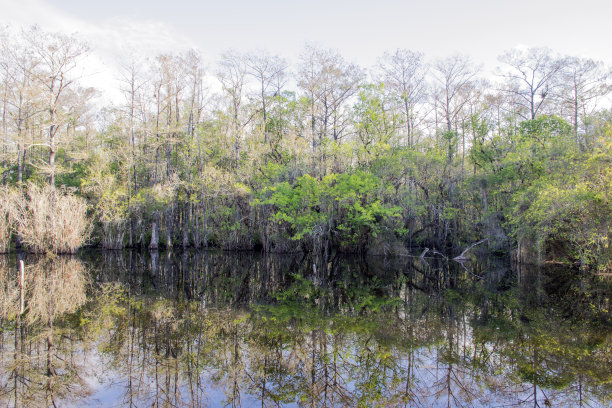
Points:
[(361, 30)]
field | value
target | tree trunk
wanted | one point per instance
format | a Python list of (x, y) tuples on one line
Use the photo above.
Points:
[(169, 227), (186, 226), (154, 237), (19, 165), (197, 241), (51, 157)]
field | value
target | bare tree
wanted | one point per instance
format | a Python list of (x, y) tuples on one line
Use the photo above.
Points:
[(22, 100), (192, 65), (270, 73), (194, 77), (329, 82), (6, 87), (583, 82), (455, 77), (59, 55), (132, 85), (308, 80), (403, 74), (170, 86), (232, 75), (531, 76)]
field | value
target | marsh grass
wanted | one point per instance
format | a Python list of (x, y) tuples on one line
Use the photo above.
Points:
[(52, 220), (7, 216)]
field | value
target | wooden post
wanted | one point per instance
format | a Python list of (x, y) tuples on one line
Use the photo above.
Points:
[(21, 286)]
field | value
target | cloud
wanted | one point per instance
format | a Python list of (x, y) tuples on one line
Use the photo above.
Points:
[(112, 41), (112, 34), (122, 35)]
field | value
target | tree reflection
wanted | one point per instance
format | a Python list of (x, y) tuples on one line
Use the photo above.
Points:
[(210, 329), (46, 363)]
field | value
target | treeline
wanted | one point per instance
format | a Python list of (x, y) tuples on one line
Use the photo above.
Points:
[(321, 155)]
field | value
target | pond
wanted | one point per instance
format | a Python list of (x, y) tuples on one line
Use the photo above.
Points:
[(243, 329)]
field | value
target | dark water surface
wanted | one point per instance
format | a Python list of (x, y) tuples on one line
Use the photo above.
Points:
[(215, 329)]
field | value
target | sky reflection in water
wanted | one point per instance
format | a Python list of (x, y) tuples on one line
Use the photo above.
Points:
[(242, 329)]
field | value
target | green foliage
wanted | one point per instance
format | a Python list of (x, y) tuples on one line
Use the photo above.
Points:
[(361, 210), (343, 207), (299, 206), (549, 191), (375, 125), (544, 128)]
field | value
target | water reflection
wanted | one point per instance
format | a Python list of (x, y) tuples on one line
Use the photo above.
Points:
[(215, 329), (40, 356)]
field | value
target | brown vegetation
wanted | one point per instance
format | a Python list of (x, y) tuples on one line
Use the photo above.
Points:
[(9, 291), (43, 369), (7, 210), (54, 220), (55, 286)]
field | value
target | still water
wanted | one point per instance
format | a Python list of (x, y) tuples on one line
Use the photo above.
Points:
[(214, 329)]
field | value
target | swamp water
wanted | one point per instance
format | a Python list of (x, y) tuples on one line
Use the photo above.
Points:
[(194, 329)]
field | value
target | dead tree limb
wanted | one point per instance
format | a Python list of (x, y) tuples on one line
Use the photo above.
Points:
[(462, 256), (460, 262), (433, 251)]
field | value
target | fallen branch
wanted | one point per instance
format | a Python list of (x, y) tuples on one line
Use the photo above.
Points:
[(433, 251), (468, 271), (462, 256)]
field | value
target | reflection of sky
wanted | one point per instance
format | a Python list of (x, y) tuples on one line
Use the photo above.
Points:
[(368, 348), (105, 385), (109, 389), (428, 387)]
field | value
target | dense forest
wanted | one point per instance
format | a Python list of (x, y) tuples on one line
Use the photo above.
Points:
[(321, 155)]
